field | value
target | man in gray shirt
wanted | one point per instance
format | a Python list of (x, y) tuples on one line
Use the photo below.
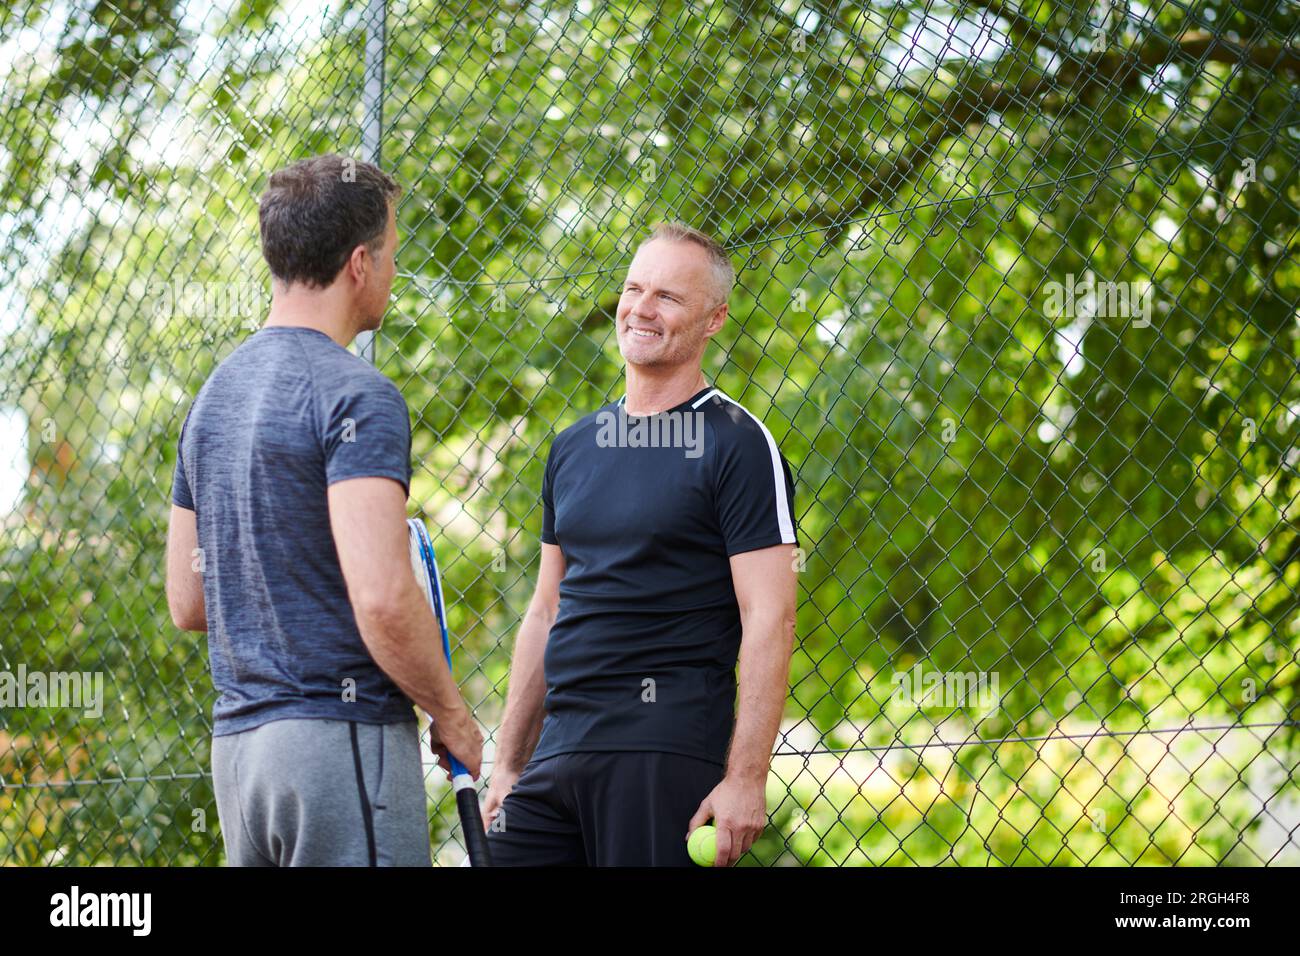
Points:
[(287, 545)]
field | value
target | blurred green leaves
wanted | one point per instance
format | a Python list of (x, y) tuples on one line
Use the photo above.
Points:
[(1098, 510)]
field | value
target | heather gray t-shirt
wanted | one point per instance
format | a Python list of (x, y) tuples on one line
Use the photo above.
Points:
[(287, 414)]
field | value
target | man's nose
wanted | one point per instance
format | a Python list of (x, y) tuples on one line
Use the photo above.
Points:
[(644, 306)]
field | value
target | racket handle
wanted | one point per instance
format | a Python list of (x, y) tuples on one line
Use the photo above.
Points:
[(471, 823)]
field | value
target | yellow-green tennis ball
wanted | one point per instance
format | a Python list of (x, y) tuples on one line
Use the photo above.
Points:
[(703, 845)]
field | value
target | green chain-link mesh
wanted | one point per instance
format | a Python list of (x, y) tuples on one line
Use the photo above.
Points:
[(1017, 297)]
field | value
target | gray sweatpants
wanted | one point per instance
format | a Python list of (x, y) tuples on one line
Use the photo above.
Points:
[(322, 793)]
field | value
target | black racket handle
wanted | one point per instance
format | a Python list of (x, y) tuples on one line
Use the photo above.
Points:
[(471, 823)]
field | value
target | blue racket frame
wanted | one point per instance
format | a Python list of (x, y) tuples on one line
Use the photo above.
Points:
[(461, 781)]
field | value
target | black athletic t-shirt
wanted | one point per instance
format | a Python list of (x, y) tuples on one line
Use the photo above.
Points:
[(647, 511)]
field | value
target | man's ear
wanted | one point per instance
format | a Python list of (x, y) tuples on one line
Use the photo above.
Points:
[(359, 264), (716, 321)]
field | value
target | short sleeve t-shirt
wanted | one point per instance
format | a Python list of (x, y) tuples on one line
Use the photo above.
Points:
[(647, 511), (287, 414)]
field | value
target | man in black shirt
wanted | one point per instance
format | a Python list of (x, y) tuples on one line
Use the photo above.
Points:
[(668, 540)]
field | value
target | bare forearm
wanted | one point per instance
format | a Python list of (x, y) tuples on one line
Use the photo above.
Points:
[(196, 619), (184, 579), (521, 724), (765, 649), (405, 642)]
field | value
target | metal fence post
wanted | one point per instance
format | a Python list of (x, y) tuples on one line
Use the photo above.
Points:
[(372, 128)]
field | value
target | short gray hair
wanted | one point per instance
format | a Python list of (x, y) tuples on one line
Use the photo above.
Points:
[(724, 274)]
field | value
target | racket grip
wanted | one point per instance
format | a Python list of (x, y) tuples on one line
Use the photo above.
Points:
[(471, 823)]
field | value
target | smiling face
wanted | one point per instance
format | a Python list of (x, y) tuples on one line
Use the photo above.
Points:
[(669, 307)]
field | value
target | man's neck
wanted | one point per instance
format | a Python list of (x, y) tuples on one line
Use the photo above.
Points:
[(650, 391), (319, 309)]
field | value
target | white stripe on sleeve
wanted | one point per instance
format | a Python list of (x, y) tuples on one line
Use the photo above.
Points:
[(784, 518)]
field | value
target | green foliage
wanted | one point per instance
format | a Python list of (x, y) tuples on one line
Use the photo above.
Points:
[(1098, 511)]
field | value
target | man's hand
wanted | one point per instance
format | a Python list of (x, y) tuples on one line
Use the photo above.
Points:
[(503, 781), (439, 749), (461, 737), (738, 808)]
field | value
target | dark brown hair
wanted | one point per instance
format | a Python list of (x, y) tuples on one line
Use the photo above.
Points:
[(316, 211)]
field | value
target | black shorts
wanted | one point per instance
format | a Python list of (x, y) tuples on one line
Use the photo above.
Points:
[(625, 808)]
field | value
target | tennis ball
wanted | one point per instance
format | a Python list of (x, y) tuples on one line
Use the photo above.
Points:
[(703, 845)]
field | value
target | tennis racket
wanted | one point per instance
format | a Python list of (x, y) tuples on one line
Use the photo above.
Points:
[(425, 566)]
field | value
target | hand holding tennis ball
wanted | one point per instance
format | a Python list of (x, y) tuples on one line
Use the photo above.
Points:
[(728, 820), (703, 845)]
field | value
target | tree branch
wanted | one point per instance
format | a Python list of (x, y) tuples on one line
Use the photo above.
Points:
[(974, 104)]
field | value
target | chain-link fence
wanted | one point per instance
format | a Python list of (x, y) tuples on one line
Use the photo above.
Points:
[(1017, 298)]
